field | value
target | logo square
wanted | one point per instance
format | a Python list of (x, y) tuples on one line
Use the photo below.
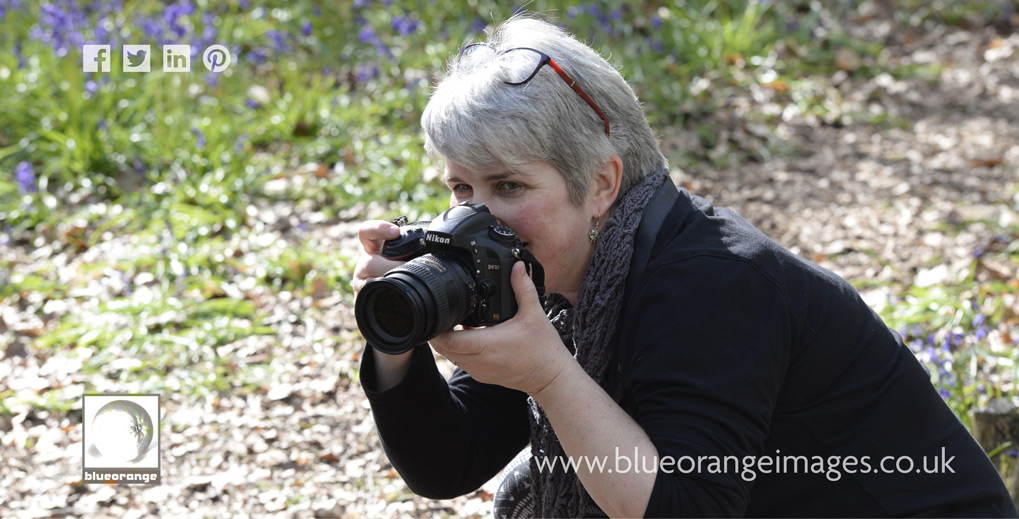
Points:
[(176, 58), (137, 58), (120, 436), (95, 58)]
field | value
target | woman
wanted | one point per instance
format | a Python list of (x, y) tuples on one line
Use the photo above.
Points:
[(708, 370)]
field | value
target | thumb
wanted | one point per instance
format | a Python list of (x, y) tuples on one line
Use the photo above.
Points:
[(523, 287)]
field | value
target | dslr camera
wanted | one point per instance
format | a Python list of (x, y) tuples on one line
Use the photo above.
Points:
[(458, 273)]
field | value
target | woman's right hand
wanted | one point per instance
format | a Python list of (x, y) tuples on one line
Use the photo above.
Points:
[(372, 264), (389, 369)]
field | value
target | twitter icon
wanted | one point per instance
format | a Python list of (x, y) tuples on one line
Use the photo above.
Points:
[(136, 58)]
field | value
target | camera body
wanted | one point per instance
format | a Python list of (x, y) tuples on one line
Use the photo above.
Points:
[(458, 272)]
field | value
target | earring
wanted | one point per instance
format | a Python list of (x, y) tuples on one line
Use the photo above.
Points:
[(593, 233)]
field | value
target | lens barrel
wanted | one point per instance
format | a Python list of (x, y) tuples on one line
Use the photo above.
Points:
[(416, 301)]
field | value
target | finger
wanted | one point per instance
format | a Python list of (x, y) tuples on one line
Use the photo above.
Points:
[(374, 232), (455, 343), (375, 266), (523, 287)]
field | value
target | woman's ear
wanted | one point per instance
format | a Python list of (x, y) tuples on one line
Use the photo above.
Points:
[(606, 185)]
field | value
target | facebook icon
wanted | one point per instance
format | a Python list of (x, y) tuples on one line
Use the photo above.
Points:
[(95, 58)]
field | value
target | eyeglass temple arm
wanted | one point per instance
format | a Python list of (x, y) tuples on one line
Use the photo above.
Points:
[(573, 84)]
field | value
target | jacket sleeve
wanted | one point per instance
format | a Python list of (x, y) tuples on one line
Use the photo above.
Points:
[(708, 341), (445, 438)]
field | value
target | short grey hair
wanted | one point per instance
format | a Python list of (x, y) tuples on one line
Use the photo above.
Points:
[(476, 120)]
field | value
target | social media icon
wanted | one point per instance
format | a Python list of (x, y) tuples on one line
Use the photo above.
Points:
[(216, 58), (95, 58), (136, 58), (176, 58)]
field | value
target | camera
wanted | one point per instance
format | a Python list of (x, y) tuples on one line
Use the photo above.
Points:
[(458, 273)]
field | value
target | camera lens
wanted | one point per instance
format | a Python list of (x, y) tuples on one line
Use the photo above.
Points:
[(391, 311), (415, 302)]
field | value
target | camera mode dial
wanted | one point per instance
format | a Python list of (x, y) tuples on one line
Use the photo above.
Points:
[(502, 233)]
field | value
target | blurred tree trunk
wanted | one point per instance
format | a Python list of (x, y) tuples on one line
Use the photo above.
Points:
[(995, 426)]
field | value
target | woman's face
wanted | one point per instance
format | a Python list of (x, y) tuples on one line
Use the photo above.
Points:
[(533, 200)]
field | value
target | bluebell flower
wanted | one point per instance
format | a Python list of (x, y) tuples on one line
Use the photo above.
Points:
[(656, 45), (478, 26), (404, 26), (239, 143), (20, 56), (366, 34), (306, 28), (361, 4), (90, 87), (367, 72), (199, 138), (256, 56), (656, 22), (279, 42), (152, 28), (59, 27), (980, 323), (25, 177), (945, 394), (172, 15), (250, 103)]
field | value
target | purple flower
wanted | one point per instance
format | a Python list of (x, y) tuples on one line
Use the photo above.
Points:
[(153, 29), (366, 73), (279, 42), (256, 56), (979, 322), (368, 35), (306, 28), (404, 26), (26, 177), (361, 4), (90, 87), (239, 143), (59, 27), (172, 15), (250, 103), (656, 22), (17, 52), (945, 394), (199, 138)]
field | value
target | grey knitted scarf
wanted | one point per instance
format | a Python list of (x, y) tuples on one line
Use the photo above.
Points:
[(589, 330)]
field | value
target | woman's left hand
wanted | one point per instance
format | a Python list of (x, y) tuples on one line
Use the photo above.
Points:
[(523, 353)]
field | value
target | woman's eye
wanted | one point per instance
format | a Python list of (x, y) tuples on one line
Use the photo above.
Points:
[(461, 190), (509, 187)]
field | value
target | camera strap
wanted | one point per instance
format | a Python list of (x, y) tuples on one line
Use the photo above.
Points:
[(643, 240), (651, 221)]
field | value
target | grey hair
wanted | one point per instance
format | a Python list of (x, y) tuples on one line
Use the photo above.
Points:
[(476, 120)]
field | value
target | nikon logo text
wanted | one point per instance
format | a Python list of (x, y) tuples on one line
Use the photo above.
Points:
[(437, 239)]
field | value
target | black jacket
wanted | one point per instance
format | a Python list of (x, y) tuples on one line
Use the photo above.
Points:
[(769, 383)]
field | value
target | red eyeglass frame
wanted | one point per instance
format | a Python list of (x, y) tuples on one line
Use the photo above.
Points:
[(545, 60)]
